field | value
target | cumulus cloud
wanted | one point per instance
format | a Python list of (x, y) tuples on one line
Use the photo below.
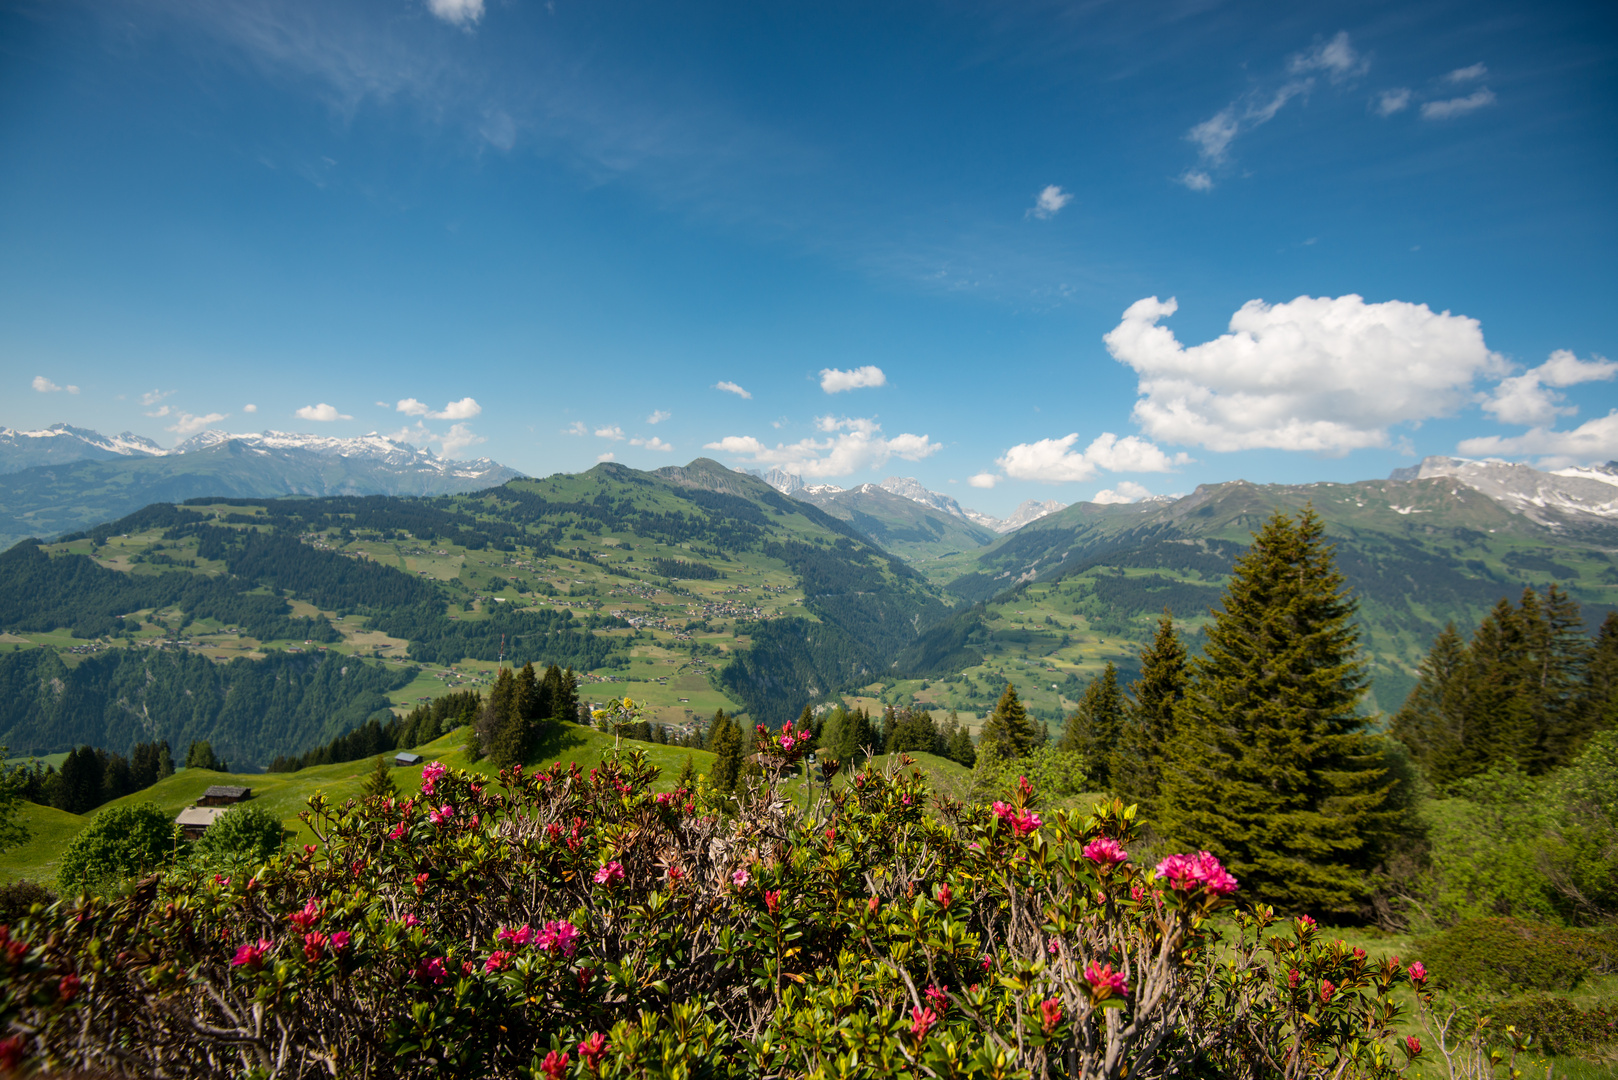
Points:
[(608, 456), (611, 431), (464, 409), (1127, 491), (187, 424), (1593, 440), (731, 388), (450, 442), (1054, 461), (983, 480), (1327, 375), (1529, 399), (1389, 102), (576, 428), (834, 381), (457, 12), (658, 416), (322, 412), (45, 386), (250, 408), (1196, 180), (1466, 74), (852, 444), (1446, 110), (1049, 201), (654, 444)]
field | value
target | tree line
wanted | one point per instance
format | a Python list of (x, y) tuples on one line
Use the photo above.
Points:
[(421, 725)]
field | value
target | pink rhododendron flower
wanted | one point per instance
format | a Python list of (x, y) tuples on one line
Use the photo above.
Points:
[(945, 897), (1105, 852), (421, 881), (515, 937), (409, 920), (562, 936), (340, 940), (610, 874), (1418, 973), (1412, 1045), (251, 956), (663, 798), (1292, 979), (593, 1049), (1052, 946), (788, 742), (306, 918), (555, 1065), (937, 1000), (1327, 989), (740, 878), (1050, 1013), (397, 832), (432, 971), (68, 988), (1307, 925), (221, 880), (497, 961), (1199, 871), (442, 814), (921, 1022), (1105, 982), (314, 945), (430, 775)]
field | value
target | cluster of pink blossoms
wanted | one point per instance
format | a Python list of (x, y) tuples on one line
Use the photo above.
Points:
[(1105, 982), (430, 775), (1022, 822), (921, 1022), (610, 874), (1105, 852), (250, 956), (1199, 871), (560, 935), (441, 815)]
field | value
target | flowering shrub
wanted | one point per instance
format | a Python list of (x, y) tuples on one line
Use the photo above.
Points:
[(564, 923)]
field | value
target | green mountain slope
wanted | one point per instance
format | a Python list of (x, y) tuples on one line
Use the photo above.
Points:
[(903, 526)]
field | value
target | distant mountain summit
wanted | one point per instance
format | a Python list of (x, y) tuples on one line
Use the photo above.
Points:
[(908, 487), (62, 479), (1562, 499)]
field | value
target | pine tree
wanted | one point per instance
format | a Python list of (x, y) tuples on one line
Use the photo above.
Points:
[(1008, 734), (513, 738), (565, 705), (379, 784), (1094, 728), (687, 780), (1272, 767), (1433, 721), (1137, 764), (528, 694), (1598, 707)]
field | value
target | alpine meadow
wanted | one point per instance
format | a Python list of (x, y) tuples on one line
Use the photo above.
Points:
[(629, 541)]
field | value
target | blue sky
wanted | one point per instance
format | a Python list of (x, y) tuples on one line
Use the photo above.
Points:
[(851, 239)]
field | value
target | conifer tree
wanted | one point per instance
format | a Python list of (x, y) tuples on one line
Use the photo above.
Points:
[(725, 740), (1272, 767), (1137, 764), (1094, 728), (1598, 708), (379, 783), (1008, 734), (565, 705), (687, 780), (528, 694), (513, 738), (1433, 721)]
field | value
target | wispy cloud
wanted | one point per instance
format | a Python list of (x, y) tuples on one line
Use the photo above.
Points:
[(1466, 74), (152, 397), (654, 444), (45, 386), (187, 424), (658, 416), (464, 409), (611, 431), (463, 13), (834, 381), (1389, 102), (1049, 202), (1480, 98), (732, 388), (577, 427)]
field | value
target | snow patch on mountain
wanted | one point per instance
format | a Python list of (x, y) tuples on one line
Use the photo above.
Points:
[(1546, 498)]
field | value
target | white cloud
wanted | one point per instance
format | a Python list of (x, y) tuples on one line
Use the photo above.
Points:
[(1214, 135), (322, 412), (1054, 461), (608, 456), (45, 386), (151, 397), (1327, 375), (161, 410), (1049, 201), (1466, 74), (186, 424), (458, 438), (1127, 491), (464, 409), (654, 444), (1592, 441), (854, 444), (983, 480), (834, 381), (1528, 398), (457, 12), (576, 428), (1389, 102), (1445, 110), (1336, 58), (1196, 180), (658, 416), (249, 408), (611, 431), (731, 388)]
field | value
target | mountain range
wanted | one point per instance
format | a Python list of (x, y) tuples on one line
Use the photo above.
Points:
[(828, 496), (61, 478)]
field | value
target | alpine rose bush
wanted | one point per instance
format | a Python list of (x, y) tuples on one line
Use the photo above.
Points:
[(564, 923)]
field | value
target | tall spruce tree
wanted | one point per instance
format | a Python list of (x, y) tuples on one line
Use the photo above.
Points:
[(1008, 734), (1143, 744), (379, 781), (1272, 767), (1433, 723), (1095, 726), (725, 740)]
